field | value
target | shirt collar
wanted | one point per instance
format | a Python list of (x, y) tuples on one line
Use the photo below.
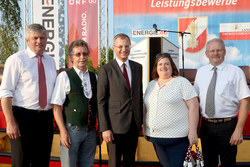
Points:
[(79, 71), (121, 62), (32, 54), (219, 67)]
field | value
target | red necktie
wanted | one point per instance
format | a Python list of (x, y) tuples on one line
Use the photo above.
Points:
[(125, 74), (42, 83)]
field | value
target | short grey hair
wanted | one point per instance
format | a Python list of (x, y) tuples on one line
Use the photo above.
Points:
[(38, 28), (75, 43), (216, 40), (122, 36)]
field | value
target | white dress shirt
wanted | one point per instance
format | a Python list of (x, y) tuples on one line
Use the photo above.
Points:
[(231, 87), (20, 79), (120, 63), (62, 87)]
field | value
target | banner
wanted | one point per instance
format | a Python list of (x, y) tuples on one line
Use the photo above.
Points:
[(45, 12), (203, 19), (83, 24), (235, 31)]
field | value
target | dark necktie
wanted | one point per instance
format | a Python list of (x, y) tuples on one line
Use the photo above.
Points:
[(42, 83), (210, 107), (125, 74)]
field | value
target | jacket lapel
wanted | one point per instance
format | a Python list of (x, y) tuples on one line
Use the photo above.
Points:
[(133, 74)]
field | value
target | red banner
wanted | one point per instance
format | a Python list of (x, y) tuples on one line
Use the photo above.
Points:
[(83, 24), (171, 6)]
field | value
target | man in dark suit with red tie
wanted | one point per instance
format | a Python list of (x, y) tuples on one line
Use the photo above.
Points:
[(119, 94)]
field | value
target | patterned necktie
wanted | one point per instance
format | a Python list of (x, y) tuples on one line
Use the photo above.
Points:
[(42, 83), (210, 108), (125, 74)]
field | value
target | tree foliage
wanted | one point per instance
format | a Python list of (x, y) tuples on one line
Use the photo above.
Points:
[(10, 25), (102, 61), (90, 62)]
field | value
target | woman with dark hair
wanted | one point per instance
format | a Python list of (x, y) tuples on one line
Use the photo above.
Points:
[(171, 112)]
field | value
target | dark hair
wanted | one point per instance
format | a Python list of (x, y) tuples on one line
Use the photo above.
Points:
[(160, 56), (78, 43)]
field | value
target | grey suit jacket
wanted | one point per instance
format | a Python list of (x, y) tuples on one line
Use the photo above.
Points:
[(116, 104)]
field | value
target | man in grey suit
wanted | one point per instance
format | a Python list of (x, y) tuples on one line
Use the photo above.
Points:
[(119, 95)]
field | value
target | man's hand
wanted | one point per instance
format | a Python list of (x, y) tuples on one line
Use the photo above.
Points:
[(65, 139), (236, 138), (107, 136), (12, 130)]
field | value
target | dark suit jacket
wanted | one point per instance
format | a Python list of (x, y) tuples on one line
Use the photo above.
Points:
[(116, 104)]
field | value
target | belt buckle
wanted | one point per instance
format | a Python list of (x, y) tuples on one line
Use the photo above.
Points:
[(220, 120), (215, 121)]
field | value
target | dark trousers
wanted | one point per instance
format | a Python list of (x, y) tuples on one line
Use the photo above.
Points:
[(123, 145), (33, 148), (215, 139), (171, 152)]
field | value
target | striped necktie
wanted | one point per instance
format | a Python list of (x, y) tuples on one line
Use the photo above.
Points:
[(210, 107)]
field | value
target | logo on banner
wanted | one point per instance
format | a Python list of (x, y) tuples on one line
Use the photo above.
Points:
[(235, 31), (197, 26)]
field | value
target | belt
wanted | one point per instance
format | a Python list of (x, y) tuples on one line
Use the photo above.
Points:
[(29, 110), (218, 120)]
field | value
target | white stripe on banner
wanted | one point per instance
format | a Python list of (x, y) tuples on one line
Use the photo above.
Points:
[(46, 13)]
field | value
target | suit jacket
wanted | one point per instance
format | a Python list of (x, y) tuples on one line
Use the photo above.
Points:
[(117, 105)]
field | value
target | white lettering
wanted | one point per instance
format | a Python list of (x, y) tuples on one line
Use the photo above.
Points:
[(78, 2), (186, 4), (84, 25), (92, 1), (234, 2), (152, 4), (228, 2), (198, 3)]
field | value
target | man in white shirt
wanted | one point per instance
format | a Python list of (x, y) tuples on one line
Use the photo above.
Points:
[(221, 131), (27, 85), (75, 92)]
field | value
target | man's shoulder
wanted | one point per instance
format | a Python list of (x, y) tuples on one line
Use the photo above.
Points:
[(134, 63), (48, 57), (231, 66), (18, 56), (204, 67), (109, 64), (233, 69)]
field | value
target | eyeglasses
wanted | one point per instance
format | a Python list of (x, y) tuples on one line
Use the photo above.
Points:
[(121, 47), (81, 53), (163, 54), (216, 51)]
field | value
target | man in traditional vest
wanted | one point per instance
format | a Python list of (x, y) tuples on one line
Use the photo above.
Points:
[(75, 91)]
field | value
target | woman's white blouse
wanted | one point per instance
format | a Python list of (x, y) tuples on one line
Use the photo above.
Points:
[(166, 110)]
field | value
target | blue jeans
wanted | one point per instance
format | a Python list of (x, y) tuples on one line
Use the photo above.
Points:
[(171, 152), (82, 148)]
